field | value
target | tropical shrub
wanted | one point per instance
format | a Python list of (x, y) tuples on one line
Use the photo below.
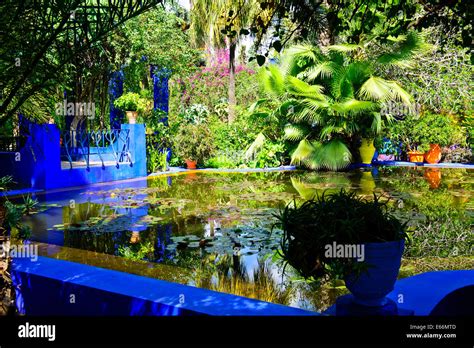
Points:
[(196, 113), (269, 155), (332, 98), (194, 142)]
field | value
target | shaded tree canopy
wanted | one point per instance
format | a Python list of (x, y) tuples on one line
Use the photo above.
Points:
[(41, 41)]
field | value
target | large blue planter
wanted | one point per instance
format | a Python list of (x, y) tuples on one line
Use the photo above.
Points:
[(371, 287)]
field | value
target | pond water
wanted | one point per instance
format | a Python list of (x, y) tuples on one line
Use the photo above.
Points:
[(215, 230)]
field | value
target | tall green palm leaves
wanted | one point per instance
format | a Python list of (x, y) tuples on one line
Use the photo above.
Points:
[(333, 97)]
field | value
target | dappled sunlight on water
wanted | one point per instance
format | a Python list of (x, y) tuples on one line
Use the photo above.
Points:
[(216, 230)]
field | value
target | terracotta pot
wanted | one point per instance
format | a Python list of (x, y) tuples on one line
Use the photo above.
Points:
[(415, 156), (433, 155), (190, 164), (132, 116), (433, 177), (135, 238), (367, 150)]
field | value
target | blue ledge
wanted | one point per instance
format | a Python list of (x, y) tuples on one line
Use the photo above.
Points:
[(418, 164), (439, 293), (46, 287), (428, 293)]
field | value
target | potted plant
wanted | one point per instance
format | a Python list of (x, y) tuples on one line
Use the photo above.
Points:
[(407, 133), (436, 131), (315, 232), (194, 143), (423, 136), (368, 135), (387, 149), (131, 104)]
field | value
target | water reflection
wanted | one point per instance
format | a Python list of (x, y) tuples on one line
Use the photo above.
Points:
[(137, 222)]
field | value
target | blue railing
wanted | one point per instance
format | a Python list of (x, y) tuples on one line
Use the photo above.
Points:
[(107, 145)]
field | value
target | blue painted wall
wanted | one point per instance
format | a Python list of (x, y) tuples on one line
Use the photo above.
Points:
[(44, 288), (38, 165)]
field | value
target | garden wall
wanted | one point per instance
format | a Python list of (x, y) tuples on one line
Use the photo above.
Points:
[(37, 165)]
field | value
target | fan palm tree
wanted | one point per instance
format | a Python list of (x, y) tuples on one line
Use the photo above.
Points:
[(333, 97)]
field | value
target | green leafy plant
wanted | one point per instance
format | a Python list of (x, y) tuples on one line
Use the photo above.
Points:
[(343, 218), (131, 102), (157, 160), (417, 133), (386, 146), (331, 98), (196, 114), (29, 204), (269, 155), (194, 142)]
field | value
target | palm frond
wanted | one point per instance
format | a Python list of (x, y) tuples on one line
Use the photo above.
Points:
[(296, 132), (344, 48), (354, 106), (303, 152), (379, 89), (256, 145), (273, 80), (301, 88), (322, 70), (306, 51), (333, 155), (407, 48)]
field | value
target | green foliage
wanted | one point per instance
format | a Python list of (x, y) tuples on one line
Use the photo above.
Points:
[(332, 98), (269, 155), (417, 133), (156, 160), (5, 182), (194, 142), (160, 36), (220, 162), (340, 217), (137, 252), (196, 114), (131, 102)]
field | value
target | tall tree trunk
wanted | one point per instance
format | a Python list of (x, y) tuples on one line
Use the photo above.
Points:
[(232, 102)]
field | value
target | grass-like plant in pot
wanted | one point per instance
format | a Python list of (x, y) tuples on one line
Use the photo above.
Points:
[(345, 236)]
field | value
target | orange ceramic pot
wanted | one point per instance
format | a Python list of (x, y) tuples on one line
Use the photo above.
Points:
[(433, 155), (191, 164), (433, 177), (415, 156)]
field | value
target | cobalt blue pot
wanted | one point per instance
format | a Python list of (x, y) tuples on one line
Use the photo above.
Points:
[(371, 287)]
